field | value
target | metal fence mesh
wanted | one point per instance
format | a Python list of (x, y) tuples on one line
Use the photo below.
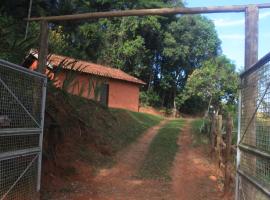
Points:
[(18, 178), (256, 167), (246, 194), (21, 95), (255, 134), (21, 119), (9, 143)]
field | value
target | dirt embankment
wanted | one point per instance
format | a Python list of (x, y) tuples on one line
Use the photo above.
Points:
[(81, 135)]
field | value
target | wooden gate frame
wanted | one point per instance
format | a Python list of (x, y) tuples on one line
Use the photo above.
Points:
[(251, 24), (251, 27)]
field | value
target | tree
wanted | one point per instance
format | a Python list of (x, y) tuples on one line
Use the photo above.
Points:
[(132, 44), (14, 46), (162, 51), (187, 43), (215, 83)]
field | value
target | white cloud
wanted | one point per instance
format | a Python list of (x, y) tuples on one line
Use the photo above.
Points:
[(222, 22), (265, 35), (232, 36), (264, 15), (227, 22)]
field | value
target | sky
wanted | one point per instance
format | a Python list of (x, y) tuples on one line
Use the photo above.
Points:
[(231, 28)]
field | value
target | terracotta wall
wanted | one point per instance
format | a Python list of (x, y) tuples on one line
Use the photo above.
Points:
[(122, 94), (80, 84)]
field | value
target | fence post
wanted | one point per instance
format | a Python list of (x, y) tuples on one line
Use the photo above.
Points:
[(219, 135), (229, 126), (213, 134), (43, 47)]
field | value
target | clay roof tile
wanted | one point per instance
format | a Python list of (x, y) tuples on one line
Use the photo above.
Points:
[(92, 68)]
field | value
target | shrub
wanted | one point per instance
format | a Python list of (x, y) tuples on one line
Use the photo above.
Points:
[(149, 98)]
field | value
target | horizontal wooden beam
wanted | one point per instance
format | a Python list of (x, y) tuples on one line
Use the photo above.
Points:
[(145, 12)]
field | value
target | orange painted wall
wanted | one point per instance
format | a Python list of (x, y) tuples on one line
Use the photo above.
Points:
[(122, 94)]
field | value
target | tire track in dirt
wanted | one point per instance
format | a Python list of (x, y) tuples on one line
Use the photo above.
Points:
[(194, 175), (120, 182)]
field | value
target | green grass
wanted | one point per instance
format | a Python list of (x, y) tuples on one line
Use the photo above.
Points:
[(125, 129), (199, 136), (161, 153), (97, 132), (130, 126)]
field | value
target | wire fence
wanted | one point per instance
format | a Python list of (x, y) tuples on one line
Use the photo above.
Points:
[(22, 104), (254, 136)]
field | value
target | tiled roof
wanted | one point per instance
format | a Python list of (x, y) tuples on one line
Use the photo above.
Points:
[(95, 69)]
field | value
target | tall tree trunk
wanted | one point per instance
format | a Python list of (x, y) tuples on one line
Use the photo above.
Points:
[(150, 80), (208, 108), (174, 104)]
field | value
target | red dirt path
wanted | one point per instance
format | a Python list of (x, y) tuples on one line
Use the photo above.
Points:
[(194, 176)]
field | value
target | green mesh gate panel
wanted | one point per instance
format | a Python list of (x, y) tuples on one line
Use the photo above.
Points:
[(253, 163), (22, 104)]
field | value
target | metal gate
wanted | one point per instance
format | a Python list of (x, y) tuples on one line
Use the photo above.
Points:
[(22, 105), (253, 154)]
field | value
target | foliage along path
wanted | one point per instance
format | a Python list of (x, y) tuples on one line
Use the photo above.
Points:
[(192, 175)]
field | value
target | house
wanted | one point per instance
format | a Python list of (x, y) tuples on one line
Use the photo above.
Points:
[(112, 87)]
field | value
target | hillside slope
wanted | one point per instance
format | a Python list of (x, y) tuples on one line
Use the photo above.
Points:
[(82, 134)]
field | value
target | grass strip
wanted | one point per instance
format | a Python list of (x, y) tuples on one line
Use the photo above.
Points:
[(125, 128), (161, 153), (199, 136), (130, 126)]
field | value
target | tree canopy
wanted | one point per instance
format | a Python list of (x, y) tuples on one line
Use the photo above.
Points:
[(214, 84), (162, 51)]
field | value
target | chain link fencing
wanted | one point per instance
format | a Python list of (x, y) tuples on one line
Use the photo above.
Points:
[(22, 105), (253, 155)]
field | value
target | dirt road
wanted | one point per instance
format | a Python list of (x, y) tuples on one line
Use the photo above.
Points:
[(194, 176), (121, 183)]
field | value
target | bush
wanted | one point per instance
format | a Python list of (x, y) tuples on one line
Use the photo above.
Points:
[(199, 132), (149, 98), (194, 106)]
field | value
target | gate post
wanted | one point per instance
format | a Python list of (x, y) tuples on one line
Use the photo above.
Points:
[(238, 141), (41, 134), (43, 47), (251, 57), (251, 35)]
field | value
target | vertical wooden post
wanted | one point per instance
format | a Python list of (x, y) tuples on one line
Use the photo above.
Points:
[(213, 134), (43, 46), (229, 126), (251, 33), (219, 135), (251, 57)]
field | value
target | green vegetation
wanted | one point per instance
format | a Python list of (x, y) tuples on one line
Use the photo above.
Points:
[(97, 132), (213, 85), (199, 134), (125, 130), (132, 125), (161, 152), (161, 50)]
